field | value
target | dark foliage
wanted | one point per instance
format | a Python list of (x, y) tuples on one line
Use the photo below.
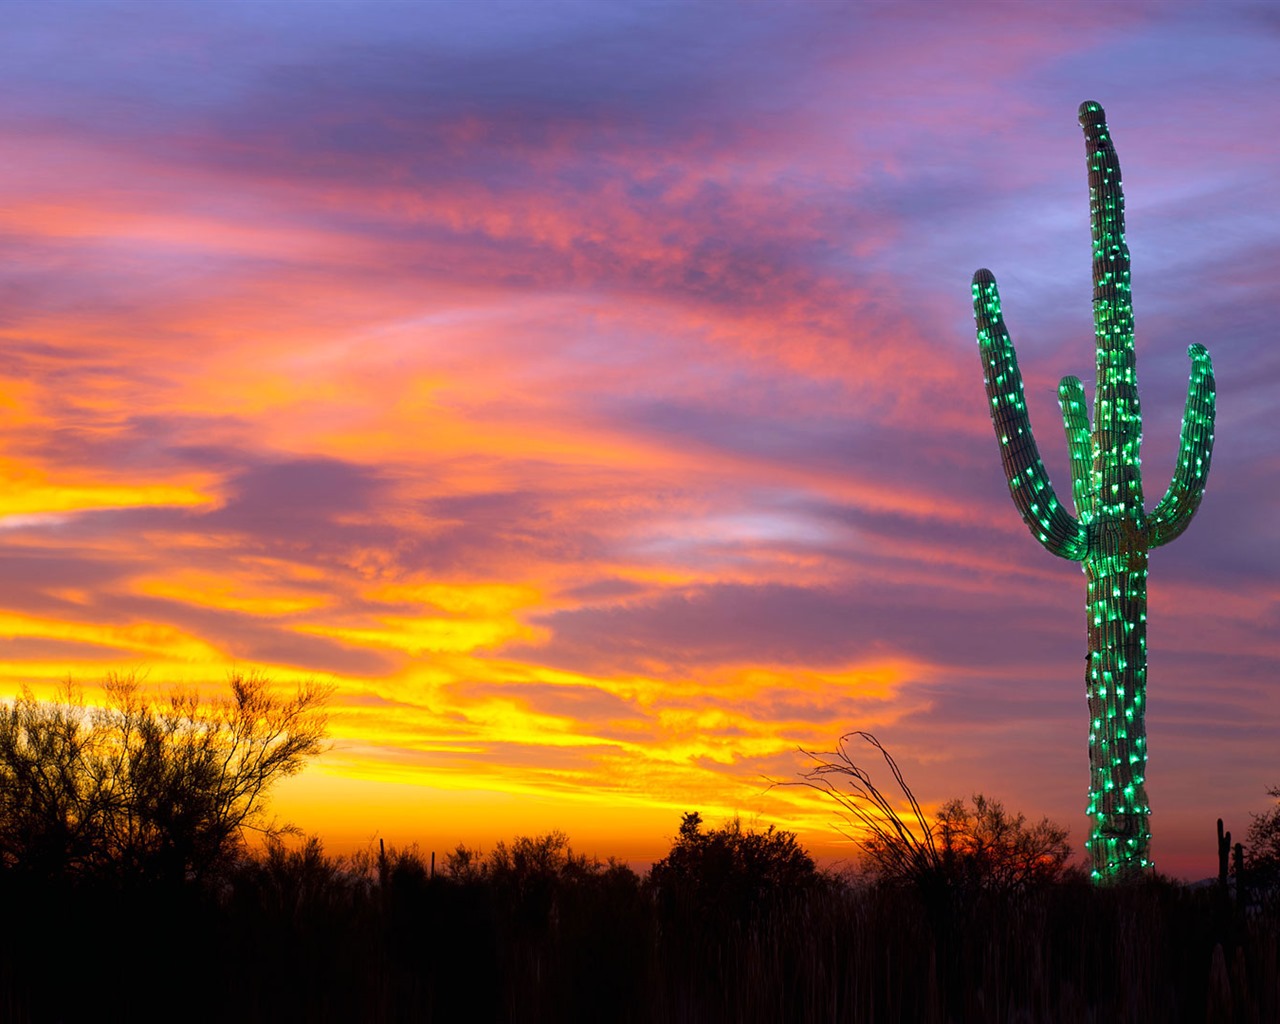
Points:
[(984, 847), (142, 791), (567, 931), (293, 934), (1263, 845), (730, 870)]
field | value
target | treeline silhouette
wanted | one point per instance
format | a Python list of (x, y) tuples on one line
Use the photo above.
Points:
[(733, 924), (546, 935)]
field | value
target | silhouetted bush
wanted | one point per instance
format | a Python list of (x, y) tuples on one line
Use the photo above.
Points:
[(729, 871), (985, 847), (530, 871), (465, 865)]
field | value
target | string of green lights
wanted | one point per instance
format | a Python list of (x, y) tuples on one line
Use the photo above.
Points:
[(1110, 533)]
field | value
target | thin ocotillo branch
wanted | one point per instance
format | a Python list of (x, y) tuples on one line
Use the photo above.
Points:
[(900, 846)]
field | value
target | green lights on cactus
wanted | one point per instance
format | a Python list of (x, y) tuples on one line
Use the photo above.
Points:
[(1110, 532)]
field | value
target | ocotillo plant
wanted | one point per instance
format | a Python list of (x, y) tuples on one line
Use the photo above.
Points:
[(1110, 532)]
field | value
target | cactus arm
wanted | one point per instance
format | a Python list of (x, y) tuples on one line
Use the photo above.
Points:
[(1173, 514), (1033, 494), (1117, 416), (1075, 420)]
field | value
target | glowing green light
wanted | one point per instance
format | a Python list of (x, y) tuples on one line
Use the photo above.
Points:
[(1110, 534)]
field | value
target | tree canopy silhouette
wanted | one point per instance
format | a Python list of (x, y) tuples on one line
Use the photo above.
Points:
[(1264, 847), (164, 790), (983, 846), (730, 868)]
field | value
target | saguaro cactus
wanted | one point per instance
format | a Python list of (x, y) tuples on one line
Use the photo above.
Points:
[(1110, 532)]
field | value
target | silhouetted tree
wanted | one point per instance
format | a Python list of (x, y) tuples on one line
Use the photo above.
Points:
[(730, 868), (1263, 846), (984, 847), (137, 789)]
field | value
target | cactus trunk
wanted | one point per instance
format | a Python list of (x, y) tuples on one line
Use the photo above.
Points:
[(1116, 685), (1110, 532)]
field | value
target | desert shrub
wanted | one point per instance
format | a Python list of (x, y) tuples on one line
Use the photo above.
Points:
[(529, 858), (465, 865), (982, 846), (730, 870)]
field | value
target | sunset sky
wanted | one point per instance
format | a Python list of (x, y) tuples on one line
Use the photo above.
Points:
[(589, 391)]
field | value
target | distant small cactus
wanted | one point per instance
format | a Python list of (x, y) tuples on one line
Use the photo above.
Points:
[(1224, 856)]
